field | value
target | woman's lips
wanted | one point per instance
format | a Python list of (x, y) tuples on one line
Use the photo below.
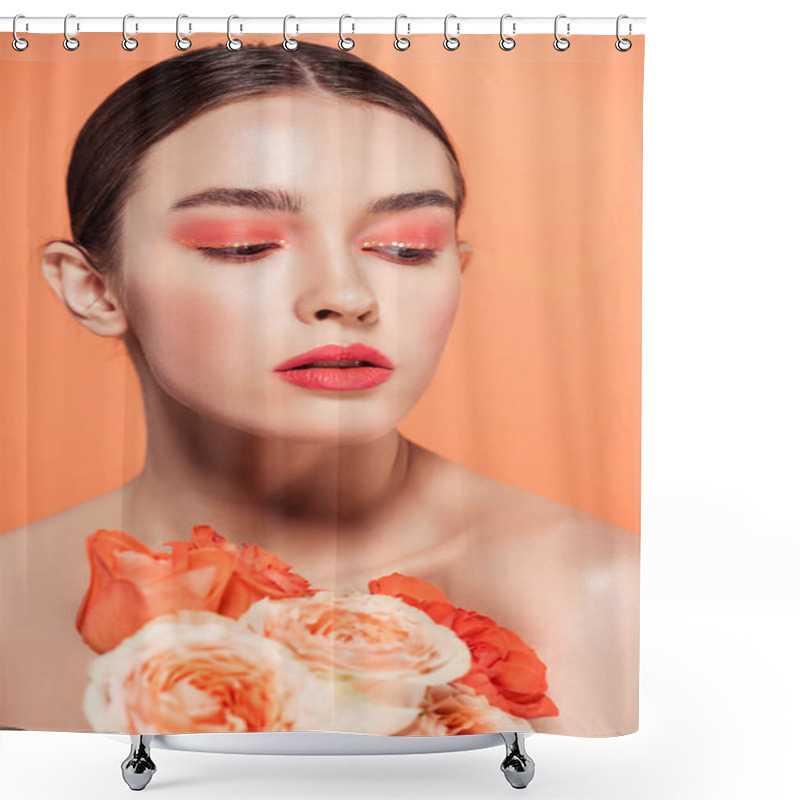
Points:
[(337, 368)]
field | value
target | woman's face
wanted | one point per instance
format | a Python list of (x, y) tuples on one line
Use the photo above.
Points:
[(325, 222)]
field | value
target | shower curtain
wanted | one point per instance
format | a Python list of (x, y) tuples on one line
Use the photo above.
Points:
[(321, 385)]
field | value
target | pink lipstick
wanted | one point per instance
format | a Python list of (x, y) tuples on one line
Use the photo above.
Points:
[(337, 368)]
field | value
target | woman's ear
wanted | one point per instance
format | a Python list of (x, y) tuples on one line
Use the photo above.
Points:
[(85, 293), (465, 251)]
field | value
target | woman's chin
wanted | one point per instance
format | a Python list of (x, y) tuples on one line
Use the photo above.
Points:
[(335, 431)]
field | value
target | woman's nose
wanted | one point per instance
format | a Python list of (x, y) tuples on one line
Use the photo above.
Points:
[(338, 288), (348, 307)]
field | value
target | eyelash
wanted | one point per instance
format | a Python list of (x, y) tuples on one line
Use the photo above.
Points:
[(215, 253), (421, 255)]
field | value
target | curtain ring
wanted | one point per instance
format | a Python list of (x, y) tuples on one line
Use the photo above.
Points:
[(345, 42), (400, 42), (182, 43), (128, 42), (18, 43), (288, 42), (506, 42), (451, 42), (623, 45), (233, 42), (70, 42), (560, 42)]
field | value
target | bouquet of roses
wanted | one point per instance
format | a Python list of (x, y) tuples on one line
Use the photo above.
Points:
[(213, 637)]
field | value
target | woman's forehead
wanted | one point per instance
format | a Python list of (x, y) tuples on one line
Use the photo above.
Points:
[(269, 128), (304, 143)]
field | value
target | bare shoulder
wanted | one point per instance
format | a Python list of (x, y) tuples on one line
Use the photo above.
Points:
[(45, 560), (566, 582), (103, 509), (508, 518), (44, 572), (565, 539)]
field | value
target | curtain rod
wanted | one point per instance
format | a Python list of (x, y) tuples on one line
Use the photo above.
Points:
[(298, 24)]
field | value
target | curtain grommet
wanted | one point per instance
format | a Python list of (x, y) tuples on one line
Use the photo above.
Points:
[(182, 42), (623, 45), (71, 42), (401, 42), (288, 42), (561, 43), (17, 42), (451, 42), (507, 42), (345, 42), (129, 42), (233, 43)]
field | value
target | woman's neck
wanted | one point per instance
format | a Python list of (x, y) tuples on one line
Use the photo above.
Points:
[(321, 503), (284, 483)]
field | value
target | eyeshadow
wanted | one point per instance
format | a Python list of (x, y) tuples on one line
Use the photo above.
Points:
[(226, 231)]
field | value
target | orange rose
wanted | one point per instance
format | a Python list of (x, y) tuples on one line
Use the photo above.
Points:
[(504, 669), (131, 584), (455, 709), (257, 574), (199, 672)]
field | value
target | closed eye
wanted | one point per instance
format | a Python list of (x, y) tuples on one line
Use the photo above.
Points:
[(247, 252), (409, 255), (254, 252)]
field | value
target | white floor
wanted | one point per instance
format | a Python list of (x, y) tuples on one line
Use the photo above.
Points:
[(719, 718)]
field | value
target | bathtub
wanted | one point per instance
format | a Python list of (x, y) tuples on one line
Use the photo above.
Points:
[(138, 767)]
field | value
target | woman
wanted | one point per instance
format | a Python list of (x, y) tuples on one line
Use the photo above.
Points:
[(273, 236)]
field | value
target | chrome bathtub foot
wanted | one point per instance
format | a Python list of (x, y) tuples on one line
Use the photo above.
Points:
[(517, 766), (138, 768)]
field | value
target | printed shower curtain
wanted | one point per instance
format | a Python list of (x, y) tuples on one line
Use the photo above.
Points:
[(321, 385)]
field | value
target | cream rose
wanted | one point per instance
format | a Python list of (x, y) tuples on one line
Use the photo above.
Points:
[(385, 649), (200, 672), (457, 709)]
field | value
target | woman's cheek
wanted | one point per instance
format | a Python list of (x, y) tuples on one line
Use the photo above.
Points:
[(190, 334), (441, 314), (431, 320)]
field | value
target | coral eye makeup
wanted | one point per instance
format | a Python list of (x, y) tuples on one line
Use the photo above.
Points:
[(422, 233), (226, 232)]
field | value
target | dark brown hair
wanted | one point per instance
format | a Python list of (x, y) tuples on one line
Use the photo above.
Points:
[(155, 102)]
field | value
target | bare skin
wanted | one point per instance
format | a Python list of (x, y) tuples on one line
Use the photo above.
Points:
[(565, 581)]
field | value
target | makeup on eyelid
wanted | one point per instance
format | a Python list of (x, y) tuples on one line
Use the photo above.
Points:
[(222, 233), (239, 233), (422, 234)]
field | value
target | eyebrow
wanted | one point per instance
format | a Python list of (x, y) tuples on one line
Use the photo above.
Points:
[(291, 203)]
